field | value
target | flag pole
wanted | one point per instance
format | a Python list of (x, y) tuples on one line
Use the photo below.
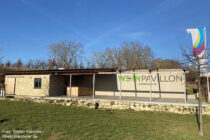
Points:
[(207, 77), (199, 100), (207, 70), (195, 33)]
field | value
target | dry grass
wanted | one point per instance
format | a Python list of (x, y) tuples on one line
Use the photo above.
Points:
[(60, 122)]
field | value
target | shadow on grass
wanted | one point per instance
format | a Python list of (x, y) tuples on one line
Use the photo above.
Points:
[(3, 120), (197, 117), (206, 95)]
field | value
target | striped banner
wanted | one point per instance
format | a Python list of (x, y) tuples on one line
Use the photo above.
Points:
[(198, 39)]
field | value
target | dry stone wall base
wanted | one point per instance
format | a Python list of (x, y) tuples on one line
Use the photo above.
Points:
[(109, 104)]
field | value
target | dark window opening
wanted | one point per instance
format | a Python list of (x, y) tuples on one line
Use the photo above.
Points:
[(37, 83)]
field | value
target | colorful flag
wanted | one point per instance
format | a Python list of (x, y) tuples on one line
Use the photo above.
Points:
[(198, 39)]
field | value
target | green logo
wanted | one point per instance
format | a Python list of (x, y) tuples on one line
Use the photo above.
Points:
[(146, 78), (127, 78)]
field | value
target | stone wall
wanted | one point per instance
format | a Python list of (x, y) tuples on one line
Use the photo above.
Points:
[(116, 104)]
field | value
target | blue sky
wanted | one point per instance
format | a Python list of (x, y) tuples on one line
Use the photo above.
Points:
[(27, 27)]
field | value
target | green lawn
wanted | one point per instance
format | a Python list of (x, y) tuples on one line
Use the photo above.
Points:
[(83, 123)]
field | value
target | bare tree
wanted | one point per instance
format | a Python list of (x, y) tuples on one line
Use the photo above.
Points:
[(81, 65), (90, 64), (166, 64), (2, 71), (40, 64), (8, 64), (128, 56), (18, 65), (52, 64), (30, 64), (100, 59), (191, 60), (188, 59), (136, 55), (1, 56), (75, 64), (65, 53), (114, 57)]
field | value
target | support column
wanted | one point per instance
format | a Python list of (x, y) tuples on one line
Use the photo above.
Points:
[(185, 92), (94, 85), (158, 76), (134, 79), (120, 86), (70, 85), (15, 87), (150, 85)]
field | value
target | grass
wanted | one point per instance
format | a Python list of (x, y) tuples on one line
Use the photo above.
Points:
[(82, 123)]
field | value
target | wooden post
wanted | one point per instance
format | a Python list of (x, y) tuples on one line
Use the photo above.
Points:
[(93, 85), (200, 100), (70, 85)]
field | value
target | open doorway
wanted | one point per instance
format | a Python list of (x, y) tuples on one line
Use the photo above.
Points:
[(81, 85)]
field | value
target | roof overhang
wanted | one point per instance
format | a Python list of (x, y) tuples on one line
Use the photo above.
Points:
[(60, 72), (91, 71)]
